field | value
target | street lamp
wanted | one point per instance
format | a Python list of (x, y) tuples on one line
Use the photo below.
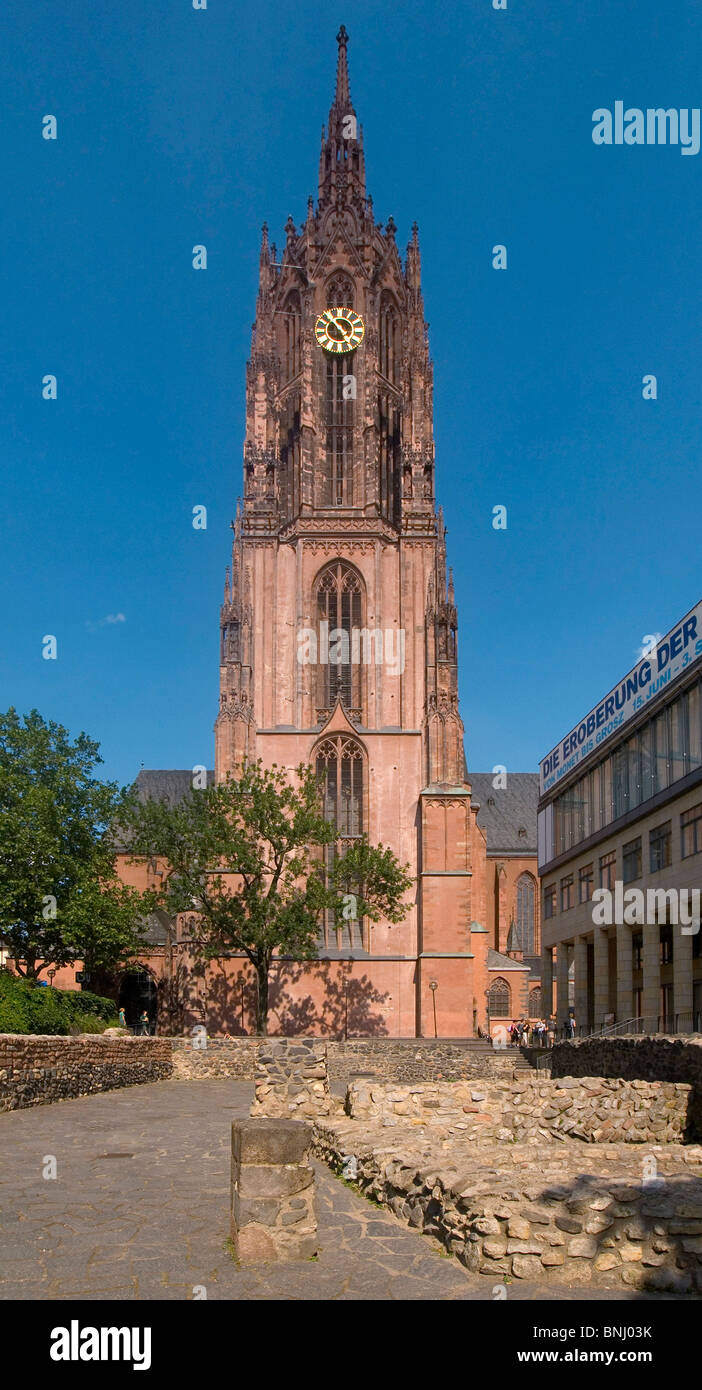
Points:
[(433, 985)]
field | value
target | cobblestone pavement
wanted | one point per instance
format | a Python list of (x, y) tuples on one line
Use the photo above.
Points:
[(139, 1209)]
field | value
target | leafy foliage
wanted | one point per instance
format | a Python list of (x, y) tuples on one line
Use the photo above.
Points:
[(60, 898), (245, 857), (28, 1007)]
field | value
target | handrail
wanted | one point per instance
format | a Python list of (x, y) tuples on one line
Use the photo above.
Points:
[(631, 1026)]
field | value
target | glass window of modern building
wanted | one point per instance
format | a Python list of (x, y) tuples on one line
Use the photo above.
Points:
[(631, 860), (661, 844)]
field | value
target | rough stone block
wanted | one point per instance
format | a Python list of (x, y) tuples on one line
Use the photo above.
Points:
[(261, 1142), (272, 1191)]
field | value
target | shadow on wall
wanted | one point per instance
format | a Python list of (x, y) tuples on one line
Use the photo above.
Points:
[(644, 1233), (336, 1006)]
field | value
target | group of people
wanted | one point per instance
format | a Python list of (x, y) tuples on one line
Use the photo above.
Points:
[(540, 1032), (537, 1031)]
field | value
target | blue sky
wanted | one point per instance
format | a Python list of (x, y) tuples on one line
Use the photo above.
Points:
[(179, 127)]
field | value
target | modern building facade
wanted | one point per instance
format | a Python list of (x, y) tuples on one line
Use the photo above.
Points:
[(620, 848)]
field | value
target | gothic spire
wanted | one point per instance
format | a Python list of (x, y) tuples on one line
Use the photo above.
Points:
[(342, 177), (342, 97)]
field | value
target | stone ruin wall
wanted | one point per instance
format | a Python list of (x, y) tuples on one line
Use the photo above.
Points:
[(581, 1215), (291, 1079), (643, 1059), (37, 1068), (394, 1059), (532, 1110)]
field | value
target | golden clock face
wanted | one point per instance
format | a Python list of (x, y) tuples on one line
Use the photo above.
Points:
[(339, 330)]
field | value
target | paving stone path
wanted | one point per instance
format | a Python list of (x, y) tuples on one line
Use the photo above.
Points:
[(139, 1209)]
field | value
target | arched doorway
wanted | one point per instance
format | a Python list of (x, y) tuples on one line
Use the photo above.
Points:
[(138, 993)]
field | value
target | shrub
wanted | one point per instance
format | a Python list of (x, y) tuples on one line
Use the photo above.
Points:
[(26, 1007)]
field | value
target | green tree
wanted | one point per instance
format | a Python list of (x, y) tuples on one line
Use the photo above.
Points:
[(245, 857), (60, 897)]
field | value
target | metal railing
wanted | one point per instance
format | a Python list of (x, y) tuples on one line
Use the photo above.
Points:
[(688, 1021)]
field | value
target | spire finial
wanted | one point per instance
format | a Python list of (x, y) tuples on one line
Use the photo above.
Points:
[(343, 95)]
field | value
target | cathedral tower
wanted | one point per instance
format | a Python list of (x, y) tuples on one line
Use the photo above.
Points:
[(339, 625)]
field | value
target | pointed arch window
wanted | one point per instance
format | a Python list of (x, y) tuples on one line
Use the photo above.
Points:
[(340, 767), (499, 999), (526, 921), (339, 596)]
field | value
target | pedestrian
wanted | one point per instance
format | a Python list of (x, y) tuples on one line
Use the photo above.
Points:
[(122, 1019), (144, 1023), (525, 1032)]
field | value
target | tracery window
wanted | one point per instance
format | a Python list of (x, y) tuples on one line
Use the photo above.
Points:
[(340, 291), (526, 931), (340, 765), (499, 999), (339, 605)]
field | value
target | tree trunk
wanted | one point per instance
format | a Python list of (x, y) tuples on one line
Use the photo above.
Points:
[(262, 997)]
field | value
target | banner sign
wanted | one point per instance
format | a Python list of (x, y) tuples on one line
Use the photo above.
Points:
[(662, 664)]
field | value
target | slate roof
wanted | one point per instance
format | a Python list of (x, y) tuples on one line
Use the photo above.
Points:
[(496, 961), (507, 811), (169, 785)]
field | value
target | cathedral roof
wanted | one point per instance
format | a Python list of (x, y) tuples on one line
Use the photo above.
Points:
[(507, 814), (497, 961), (169, 785)]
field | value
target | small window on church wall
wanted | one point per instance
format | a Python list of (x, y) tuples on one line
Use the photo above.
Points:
[(535, 1002), (499, 999), (292, 333), (339, 604), (340, 768), (525, 923)]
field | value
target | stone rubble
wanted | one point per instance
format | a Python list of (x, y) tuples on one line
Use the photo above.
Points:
[(509, 1202)]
